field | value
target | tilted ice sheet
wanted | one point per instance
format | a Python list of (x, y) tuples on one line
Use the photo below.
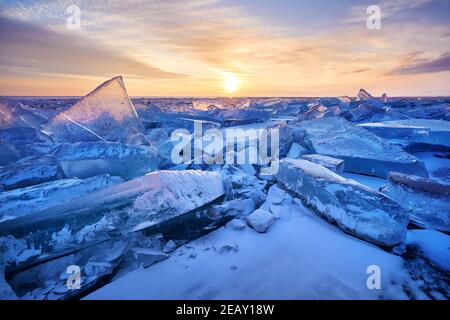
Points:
[(356, 208), (363, 151)]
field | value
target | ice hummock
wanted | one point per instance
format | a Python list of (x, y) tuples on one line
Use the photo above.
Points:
[(106, 113), (363, 151), (356, 208)]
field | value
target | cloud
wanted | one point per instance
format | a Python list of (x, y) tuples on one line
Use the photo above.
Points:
[(205, 39), (418, 66), (33, 49)]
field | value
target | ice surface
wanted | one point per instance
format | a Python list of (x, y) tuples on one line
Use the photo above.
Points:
[(233, 117), (12, 115), (417, 134), (173, 194), (296, 151), (245, 185), (87, 159), (362, 151), (357, 209), (64, 223), (49, 280), (335, 165), (9, 154), (233, 208), (319, 111), (30, 172), (19, 136), (123, 208), (427, 200), (20, 202), (106, 113), (432, 110)]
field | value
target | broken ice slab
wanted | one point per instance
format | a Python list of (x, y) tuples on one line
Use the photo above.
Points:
[(87, 159), (364, 95), (417, 134), (145, 257), (363, 151), (104, 114), (428, 201), (357, 209), (123, 208), (23, 201), (371, 110), (261, 220), (233, 208), (319, 111), (296, 151), (19, 136), (335, 165), (12, 115), (235, 117), (51, 280), (432, 110), (29, 172)]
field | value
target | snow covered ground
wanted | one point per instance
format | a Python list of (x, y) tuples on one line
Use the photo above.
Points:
[(300, 257)]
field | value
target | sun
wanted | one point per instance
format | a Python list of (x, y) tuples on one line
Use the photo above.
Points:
[(231, 82)]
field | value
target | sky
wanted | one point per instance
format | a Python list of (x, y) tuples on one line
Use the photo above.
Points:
[(194, 47)]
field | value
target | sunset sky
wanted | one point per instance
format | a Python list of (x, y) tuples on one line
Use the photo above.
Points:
[(190, 47)]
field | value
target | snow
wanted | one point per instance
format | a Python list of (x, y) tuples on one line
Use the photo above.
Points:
[(434, 245), (301, 257)]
